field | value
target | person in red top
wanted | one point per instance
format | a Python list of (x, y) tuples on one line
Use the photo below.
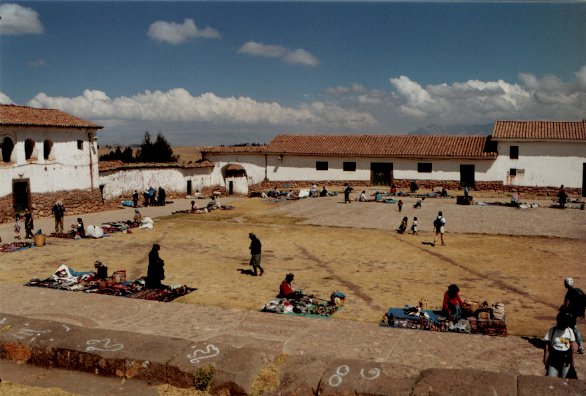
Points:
[(452, 306), (286, 291)]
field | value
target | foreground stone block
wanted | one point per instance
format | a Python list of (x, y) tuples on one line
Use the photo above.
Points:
[(360, 377), (464, 382), (548, 386), (300, 375)]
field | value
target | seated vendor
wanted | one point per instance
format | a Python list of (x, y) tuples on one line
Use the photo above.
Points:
[(80, 228), (378, 197), (194, 207), (403, 226), (137, 217), (324, 192), (452, 306), (286, 291), (362, 197)]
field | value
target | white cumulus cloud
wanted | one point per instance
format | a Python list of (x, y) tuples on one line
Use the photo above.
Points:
[(178, 105), (4, 99), (18, 20), (177, 33), (291, 56)]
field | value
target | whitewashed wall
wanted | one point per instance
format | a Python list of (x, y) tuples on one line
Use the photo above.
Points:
[(541, 164), (68, 168), (239, 185), (123, 182), (253, 164)]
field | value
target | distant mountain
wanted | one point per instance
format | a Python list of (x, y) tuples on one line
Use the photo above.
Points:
[(478, 129)]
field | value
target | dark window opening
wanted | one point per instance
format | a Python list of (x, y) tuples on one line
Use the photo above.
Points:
[(47, 149), (7, 147), (321, 165), (514, 152), (29, 148), (513, 172), (424, 167), (80, 144), (349, 166)]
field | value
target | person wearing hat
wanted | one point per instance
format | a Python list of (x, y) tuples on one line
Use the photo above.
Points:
[(255, 251), (156, 270), (286, 289), (137, 217), (573, 305)]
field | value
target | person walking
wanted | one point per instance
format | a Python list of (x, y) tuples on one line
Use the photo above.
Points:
[(347, 192), (17, 226), (59, 212), (574, 303), (558, 354), (414, 226), (135, 199), (440, 227), (28, 224), (255, 252), (400, 205)]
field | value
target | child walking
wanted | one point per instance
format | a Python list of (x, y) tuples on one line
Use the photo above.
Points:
[(17, 227), (414, 226)]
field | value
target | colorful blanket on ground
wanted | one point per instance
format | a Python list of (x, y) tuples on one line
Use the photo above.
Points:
[(67, 279), (15, 247), (306, 306), (410, 318)]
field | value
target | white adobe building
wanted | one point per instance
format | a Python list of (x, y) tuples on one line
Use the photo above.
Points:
[(44, 151), (534, 155)]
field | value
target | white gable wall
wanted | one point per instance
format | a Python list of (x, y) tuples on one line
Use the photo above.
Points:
[(253, 164), (68, 168), (541, 163)]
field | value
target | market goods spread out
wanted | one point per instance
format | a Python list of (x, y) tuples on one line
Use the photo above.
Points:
[(478, 319), (306, 306), (116, 285)]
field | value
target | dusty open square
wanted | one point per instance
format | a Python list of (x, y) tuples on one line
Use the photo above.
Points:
[(515, 256)]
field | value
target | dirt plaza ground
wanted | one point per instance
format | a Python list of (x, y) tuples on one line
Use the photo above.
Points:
[(519, 257)]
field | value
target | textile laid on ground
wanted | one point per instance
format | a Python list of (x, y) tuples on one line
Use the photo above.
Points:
[(67, 279), (414, 318), (15, 247), (305, 306)]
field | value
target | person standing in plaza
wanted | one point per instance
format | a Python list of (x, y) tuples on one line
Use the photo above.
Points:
[(59, 212), (440, 227), (347, 192), (574, 303), (135, 199), (28, 224), (17, 227), (255, 252), (558, 354)]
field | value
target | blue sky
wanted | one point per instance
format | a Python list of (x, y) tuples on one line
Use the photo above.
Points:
[(230, 72)]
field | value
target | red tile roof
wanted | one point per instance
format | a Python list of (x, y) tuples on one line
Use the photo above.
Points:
[(540, 130), (12, 115), (119, 165), (409, 146), (232, 149)]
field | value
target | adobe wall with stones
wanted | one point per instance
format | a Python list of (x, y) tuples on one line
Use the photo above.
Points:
[(403, 185), (75, 202)]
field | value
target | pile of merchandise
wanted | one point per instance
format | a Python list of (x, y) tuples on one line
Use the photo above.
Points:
[(116, 285), (306, 306), (477, 319), (15, 247)]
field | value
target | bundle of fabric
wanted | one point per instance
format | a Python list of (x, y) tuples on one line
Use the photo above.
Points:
[(62, 235), (110, 228), (15, 247)]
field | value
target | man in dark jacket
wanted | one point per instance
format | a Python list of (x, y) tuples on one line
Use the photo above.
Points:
[(255, 250), (573, 306)]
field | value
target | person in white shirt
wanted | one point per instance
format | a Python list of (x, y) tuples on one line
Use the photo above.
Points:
[(558, 355)]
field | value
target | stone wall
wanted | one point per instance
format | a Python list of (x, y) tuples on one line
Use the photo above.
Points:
[(450, 185), (75, 202)]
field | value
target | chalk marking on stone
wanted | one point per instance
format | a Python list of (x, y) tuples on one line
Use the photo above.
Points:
[(67, 328), (2, 321), (107, 347), (336, 379), (25, 333), (373, 374), (199, 354)]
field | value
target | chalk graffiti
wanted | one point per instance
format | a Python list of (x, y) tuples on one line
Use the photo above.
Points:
[(32, 333), (373, 374), (104, 345), (2, 321), (336, 379), (67, 328), (343, 370), (199, 354)]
